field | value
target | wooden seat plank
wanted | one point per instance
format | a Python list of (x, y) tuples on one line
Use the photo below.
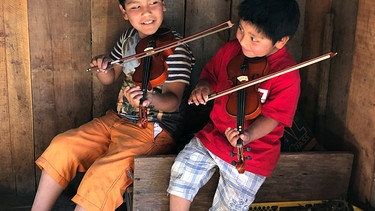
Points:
[(297, 176)]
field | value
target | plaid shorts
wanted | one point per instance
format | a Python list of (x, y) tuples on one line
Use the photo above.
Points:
[(195, 165)]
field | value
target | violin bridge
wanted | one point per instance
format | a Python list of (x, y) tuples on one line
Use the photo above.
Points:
[(149, 51), (243, 78)]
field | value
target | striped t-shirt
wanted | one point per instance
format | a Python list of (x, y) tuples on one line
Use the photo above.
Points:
[(180, 65)]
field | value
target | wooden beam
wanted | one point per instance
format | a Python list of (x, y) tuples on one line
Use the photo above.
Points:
[(20, 132), (7, 181)]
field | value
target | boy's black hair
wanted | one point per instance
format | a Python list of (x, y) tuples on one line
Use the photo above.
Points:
[(274, 18), (122, 2)]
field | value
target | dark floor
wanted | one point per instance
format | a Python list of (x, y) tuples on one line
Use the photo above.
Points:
[(23, 203), (63, 203), (20, 203)]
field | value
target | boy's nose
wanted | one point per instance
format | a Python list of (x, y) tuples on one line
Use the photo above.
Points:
[(146, 10), (242, 39)]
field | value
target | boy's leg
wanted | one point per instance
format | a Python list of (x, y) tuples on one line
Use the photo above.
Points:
[(192, 169), (177, 203), (69, 152), (104, 184), (235, 191), (48, 192)]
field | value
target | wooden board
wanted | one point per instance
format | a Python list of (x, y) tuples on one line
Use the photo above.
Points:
[(174, 17), (308, 176), (203, 15), (61, 88), (297, 176), (107, 25), (360, 122), (6, 177), (18, 137)]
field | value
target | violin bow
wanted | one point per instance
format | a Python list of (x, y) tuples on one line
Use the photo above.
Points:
[(272, 75), (217, 28)]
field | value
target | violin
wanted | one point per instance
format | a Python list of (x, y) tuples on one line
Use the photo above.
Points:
[(153, 69), (244, 104)]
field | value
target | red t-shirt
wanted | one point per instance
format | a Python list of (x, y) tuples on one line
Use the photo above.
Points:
[(279, 101)]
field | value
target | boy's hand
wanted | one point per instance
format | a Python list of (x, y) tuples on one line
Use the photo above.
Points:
[(133, 95), (101, 61), (199, 95), (232, 135)]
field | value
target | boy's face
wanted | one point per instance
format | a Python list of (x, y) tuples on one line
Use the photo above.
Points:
[(144, 15), (254, 43)]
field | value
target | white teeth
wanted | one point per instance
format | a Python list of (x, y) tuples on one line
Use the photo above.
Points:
[(148, 22)]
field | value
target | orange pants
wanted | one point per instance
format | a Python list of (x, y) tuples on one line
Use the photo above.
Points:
[(104, 148)]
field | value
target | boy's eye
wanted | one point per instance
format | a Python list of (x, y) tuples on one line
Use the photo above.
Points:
[(254, 39), (154, 2), (133, 7)]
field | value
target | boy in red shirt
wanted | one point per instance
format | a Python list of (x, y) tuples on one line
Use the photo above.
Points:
[(264, 28)]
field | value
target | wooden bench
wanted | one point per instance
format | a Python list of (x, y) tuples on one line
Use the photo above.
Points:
[(297, 176)]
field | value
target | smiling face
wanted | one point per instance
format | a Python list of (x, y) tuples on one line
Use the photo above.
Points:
[(144, 15), (254, 43)]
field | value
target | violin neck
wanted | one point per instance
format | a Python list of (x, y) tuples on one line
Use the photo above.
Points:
[(241, 110), (146, 70), (241, 100)]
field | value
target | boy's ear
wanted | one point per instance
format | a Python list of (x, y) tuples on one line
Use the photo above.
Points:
[(123, 11), (279, 44), (164, 6)]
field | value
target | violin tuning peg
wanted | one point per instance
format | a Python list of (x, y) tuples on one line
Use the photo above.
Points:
[(248, 149)]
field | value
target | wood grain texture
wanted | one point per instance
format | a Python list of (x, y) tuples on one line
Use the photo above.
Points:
[(6, 173), (61, 89), (314, 23), (297, 177), (107, 25), (21, 147), (360, 122), (202, 15)]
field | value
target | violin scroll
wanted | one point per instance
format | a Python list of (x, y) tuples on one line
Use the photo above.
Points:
[(142, 121), (240, 164)]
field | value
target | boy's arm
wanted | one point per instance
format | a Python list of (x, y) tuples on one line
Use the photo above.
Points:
[(260, 127), (170, 98), (200, 93), (105, 74)]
